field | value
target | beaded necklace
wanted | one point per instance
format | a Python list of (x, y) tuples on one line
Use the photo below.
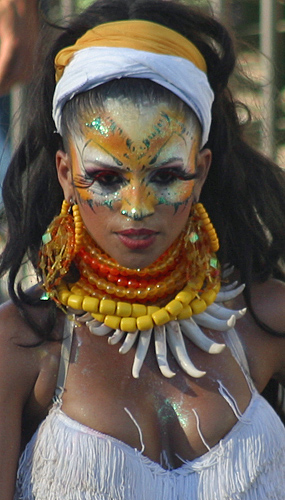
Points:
[(169, 298)]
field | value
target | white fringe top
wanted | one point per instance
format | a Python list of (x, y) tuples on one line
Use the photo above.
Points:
[(66, 460)]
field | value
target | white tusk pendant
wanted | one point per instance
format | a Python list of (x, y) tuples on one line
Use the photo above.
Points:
[(141, 352), (192, 331), (161, 351), (177, 346), (221, 312), (128, 342), (223, 296), (204, 319)]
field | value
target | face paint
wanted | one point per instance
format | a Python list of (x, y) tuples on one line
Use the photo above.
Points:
[(135, 163), (137, 177)]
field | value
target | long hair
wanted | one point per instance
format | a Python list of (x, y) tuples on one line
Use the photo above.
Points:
[(244, 192)]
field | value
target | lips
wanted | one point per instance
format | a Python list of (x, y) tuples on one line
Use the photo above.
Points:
[(137, 239)]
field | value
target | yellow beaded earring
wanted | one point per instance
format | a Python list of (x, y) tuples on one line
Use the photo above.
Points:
[(78, 228), (60, 243), (200, 219)]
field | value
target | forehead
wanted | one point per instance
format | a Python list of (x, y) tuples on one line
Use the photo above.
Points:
[(125, 122)]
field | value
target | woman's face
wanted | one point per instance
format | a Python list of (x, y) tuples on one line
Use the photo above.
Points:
[(134, 171)]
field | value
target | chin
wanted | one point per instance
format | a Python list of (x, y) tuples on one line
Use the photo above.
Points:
[(135, 261)]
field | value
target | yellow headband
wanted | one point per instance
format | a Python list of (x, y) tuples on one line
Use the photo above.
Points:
[(133, 34)]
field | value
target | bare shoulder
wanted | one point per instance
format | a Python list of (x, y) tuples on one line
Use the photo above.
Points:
[(268, 300), (28, 367), (265, 352)]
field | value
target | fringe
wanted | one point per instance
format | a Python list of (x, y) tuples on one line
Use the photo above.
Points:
[(68, 461)]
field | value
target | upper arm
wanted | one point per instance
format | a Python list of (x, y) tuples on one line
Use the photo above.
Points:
[(265, 352), (269, 304), (17, 376)]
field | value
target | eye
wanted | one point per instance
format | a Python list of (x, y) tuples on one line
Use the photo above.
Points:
[(107, 178), (167, 176)]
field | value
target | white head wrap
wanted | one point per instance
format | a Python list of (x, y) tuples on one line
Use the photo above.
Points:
[(93, 66)]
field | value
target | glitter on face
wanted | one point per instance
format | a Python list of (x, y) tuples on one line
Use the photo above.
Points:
[(140, 146), (134, 167)]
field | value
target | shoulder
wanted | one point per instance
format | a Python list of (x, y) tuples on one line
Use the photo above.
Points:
[(265, 352), (17, 362), (268, 300), (23, 358)]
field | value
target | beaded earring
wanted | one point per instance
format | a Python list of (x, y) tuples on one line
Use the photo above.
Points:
[(60, 243), (200, 219)]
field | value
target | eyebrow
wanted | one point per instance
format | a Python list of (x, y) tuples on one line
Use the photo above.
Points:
[(170, 160), (102, 164), (154, 159), (116, 160)]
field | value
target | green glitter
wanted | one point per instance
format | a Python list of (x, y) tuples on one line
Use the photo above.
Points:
[(45, 296), (46, 238), (98, 125), (214, 262), (193, 237)]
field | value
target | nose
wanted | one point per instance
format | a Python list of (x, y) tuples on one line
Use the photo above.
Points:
[(138, 202)]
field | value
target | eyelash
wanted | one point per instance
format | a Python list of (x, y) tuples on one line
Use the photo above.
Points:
[(115, 179), (176, 174), (86, 181)]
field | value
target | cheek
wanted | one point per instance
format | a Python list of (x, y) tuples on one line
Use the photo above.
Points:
[(96, 220), (177, 194)]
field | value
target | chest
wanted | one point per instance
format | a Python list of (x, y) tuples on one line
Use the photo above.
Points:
[(181, 417)]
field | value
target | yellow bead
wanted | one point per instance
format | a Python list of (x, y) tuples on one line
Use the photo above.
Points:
[(124, 309), (128, 325), (206, 221), (138, 310), (75, 301), (120, 291), (185, 313), (215, 246), (197, 283), (185, 297), (209, 296), (145, 322), (200, 207), (198, 306), (112, 321), (90, 304), (141, 293), (152, 309), (107, 306), (161, 317), (217, 287), (98, 317), (76, 290), (208, 226), (174, 307), (63, 296), (111, 288)]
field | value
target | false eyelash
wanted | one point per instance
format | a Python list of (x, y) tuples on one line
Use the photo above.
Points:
[(178, 173), (183, 176), (82, 181)]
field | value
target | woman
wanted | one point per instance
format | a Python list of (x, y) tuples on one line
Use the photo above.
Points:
[(146, 129)]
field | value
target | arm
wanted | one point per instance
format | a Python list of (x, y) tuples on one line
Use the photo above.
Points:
[(265, 352), (19, 27), (18, 372)]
